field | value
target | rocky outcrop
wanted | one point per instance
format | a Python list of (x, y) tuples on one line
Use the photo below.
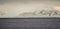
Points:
[(2, 13)]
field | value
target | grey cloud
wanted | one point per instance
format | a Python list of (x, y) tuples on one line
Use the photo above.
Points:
[(52, 2)]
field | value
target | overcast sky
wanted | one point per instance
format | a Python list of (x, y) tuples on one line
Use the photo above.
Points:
[(14, 7), (52, 2)]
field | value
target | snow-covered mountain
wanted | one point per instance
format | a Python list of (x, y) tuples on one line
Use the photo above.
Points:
[(40, 13)]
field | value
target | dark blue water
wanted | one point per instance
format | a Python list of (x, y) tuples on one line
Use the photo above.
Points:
[(30, 23)]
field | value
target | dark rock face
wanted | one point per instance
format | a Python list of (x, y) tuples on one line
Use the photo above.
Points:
[(32, 23)]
